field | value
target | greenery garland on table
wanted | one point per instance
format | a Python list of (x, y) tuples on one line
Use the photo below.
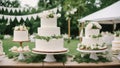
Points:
[(96, 36), (34, 58), (47, 38), (86, 59)]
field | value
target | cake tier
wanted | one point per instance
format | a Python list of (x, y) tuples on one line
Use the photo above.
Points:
[(49, 31), (115, 44), (48, 22), (51, 45), (116, 38), (89, 32), (91, 41), (20, 36)]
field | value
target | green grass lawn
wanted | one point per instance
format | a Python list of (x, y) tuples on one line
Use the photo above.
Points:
[(8, 43)]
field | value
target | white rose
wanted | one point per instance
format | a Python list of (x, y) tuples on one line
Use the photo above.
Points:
[(92, 47), (24, 28), (72, 12), (67, 13), (21, 27), (16, 28), (60, 8), (89, 26), (58, 15), (97, 25), (75, 9)]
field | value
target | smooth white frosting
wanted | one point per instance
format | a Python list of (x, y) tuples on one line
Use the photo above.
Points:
[(91, 41), (51, 45), (20, 36), (49, 22), (116, 43), (89, 32), (48, 31)]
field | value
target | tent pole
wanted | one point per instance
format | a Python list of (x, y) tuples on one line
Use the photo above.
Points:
[(114, 25)]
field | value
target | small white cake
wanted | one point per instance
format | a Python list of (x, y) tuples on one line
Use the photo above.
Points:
[(20, 33)]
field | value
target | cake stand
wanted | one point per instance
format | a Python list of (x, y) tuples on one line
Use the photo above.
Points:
[(93, 54), (21, 56), (50, 55)]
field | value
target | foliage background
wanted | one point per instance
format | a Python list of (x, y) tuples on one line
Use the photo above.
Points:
[(84, 7)]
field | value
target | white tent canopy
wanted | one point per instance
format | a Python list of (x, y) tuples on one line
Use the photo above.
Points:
[(108, 15)]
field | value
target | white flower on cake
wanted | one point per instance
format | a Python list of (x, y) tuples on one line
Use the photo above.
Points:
[(50, 14), (92, 47), (93, 25), (58, 15), (97, 25), (20, 28), (89, 26)]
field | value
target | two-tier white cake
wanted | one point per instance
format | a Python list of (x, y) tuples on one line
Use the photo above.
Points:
[(93, 39), (49, 29)]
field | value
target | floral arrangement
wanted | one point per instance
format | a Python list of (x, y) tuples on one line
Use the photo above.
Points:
[(92, 47), (93, 25), (117, 33), (20, 28), (47, 38), (96, 36), (50, 14), (106, 33)]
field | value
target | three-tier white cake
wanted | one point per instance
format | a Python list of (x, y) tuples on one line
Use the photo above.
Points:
[(49, 30), (93, 39)]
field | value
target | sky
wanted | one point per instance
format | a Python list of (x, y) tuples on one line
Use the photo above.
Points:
[(30, 3)]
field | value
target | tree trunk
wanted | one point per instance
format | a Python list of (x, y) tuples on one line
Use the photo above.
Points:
[(69, 27)]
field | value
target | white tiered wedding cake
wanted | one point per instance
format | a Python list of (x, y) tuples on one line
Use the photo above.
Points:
[(20, 33), (93, 39), (116, 41), (48, 38), (1, 48)]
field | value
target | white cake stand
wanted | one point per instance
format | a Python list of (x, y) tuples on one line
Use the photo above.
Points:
[(50, 55), (92, 53), (2, 55), (21, 56)]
